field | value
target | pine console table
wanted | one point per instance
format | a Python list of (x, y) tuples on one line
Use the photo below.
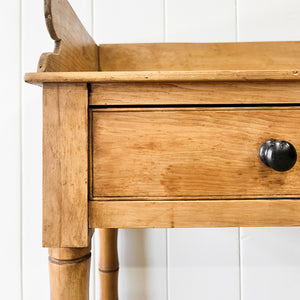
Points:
[(160, 136)]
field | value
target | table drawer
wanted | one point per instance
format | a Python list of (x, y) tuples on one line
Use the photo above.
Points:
[(190, 153)]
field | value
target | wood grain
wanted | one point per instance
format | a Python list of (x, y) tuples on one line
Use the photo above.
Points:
[(74, 49), (190, 152), (71, 253), (194, 93), (164, 76), (200, 56), (185, 214), (65, 165), (69, 273)]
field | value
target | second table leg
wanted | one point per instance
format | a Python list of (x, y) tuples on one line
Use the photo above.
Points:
[(109, 264)]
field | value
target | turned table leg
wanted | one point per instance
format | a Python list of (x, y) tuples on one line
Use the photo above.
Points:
[(109, 264), (69, 273)]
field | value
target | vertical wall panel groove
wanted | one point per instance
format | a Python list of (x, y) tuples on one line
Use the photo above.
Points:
[(236, 20), (240, 267), (167, 262)]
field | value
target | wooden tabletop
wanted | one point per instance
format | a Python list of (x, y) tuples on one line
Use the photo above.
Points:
[(163, 76)]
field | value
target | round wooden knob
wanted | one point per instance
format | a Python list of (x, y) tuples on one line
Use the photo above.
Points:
[(278, 155)]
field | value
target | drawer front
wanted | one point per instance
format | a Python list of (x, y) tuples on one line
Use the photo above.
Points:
[(187, 153)]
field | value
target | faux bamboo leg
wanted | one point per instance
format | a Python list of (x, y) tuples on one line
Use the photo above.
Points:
[(69, 273), (109, 264)]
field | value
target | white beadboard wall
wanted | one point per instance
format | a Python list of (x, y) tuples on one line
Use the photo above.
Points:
[(155, 264)]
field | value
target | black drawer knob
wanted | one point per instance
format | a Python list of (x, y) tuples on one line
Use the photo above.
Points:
[(278, 155)]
